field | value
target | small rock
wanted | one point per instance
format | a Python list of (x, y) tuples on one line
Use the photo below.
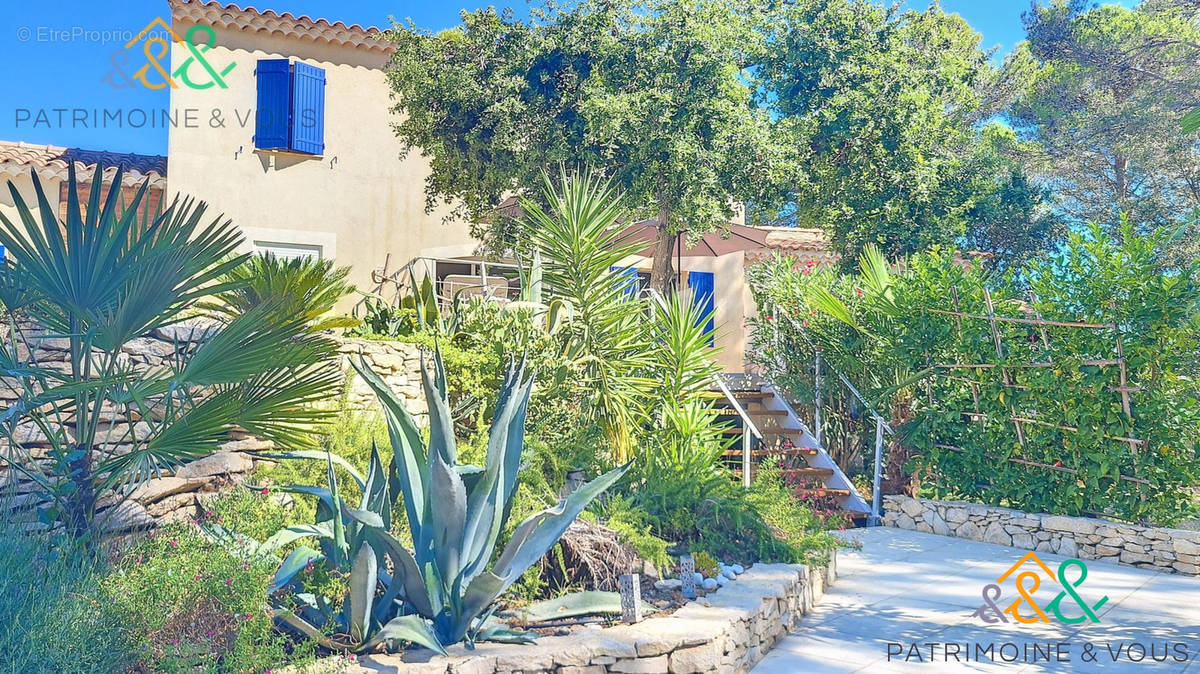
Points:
[(710, 584), (699, 577), (738, 569), (668, 584), (722, 580)]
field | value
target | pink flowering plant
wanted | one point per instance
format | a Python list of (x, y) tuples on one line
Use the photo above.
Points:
[(189, 605)]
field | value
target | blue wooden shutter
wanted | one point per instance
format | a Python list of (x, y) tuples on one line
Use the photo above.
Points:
[(701, 283), (308, 109), (273, 111), (629, 286)]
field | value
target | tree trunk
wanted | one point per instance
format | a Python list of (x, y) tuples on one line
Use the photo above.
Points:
[(660, 269), (1121, 186)]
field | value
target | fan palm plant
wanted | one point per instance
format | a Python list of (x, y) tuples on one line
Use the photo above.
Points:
[(298, 286), (100, 278)]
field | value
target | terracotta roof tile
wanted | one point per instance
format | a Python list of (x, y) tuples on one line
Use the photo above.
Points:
[(51, 162), (794, 242), (250, 19), (796, 238)]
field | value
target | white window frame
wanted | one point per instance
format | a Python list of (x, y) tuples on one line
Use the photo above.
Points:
[(323, 244)]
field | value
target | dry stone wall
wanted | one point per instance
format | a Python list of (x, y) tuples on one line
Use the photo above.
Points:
[(183, 494), (398, 363), (727, 631), (1159, 548)]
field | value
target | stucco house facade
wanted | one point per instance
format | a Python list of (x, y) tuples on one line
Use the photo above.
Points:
[(329, 181), (725, 276), (286, 129)]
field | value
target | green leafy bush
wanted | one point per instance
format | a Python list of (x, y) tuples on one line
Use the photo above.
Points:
[(707, 511), (1040, 425), (188, 604), (1073, 457), (792, 521), (350, 436), (635, 528), (706, 564)]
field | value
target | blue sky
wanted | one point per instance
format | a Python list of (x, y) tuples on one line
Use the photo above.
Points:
[(58, 53)]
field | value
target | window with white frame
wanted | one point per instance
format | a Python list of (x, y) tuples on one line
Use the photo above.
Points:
[(288, 251)]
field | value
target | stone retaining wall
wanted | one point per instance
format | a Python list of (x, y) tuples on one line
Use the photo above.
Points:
[(1160, 548), (399, 363), (727, 631), (182, 495)]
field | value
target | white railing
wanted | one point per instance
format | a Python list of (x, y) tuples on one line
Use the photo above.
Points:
[(747, 425), (881, 425)]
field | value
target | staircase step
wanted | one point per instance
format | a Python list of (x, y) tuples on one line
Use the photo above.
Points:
[(753, 395), (794, 451), (730, 412), (808, 472), (768, 431), (821, 491)]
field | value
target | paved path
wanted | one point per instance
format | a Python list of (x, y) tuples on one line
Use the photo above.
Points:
[(905, 587)]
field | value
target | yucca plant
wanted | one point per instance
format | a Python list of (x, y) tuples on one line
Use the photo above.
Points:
[(99, 279), (578, 239), (300, 286), (440, 591)]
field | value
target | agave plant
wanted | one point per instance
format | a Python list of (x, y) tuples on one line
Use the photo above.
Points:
[(94, 282), (418, 311), (440, 591)]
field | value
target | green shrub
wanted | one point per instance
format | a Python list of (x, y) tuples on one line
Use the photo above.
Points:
[(253, 513), (634, 528), (473, 375), (1041, 423), (349, 436), (710, 512), (706, 564), (55, 618), (189, 605), (791, 521)]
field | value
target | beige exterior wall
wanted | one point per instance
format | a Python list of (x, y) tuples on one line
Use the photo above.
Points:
[(359, 201), (732, 302), (24, 185)]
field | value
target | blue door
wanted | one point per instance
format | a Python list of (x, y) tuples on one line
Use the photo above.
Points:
[(628, 285), (701, 284)]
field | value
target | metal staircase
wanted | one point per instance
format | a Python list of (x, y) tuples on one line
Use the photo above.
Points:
[(769, 427)]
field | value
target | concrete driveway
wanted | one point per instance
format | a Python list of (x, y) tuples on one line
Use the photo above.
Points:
[(910, 592)]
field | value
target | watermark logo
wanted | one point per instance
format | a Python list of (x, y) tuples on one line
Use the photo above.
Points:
[(1026, 609), (194, 73)]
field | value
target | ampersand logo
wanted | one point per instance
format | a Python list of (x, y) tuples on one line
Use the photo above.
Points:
[(196, 72), (1027, 580)]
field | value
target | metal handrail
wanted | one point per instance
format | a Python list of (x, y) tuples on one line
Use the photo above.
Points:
[(881, 424), (737, 406), (748, 425), (866, 404)]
